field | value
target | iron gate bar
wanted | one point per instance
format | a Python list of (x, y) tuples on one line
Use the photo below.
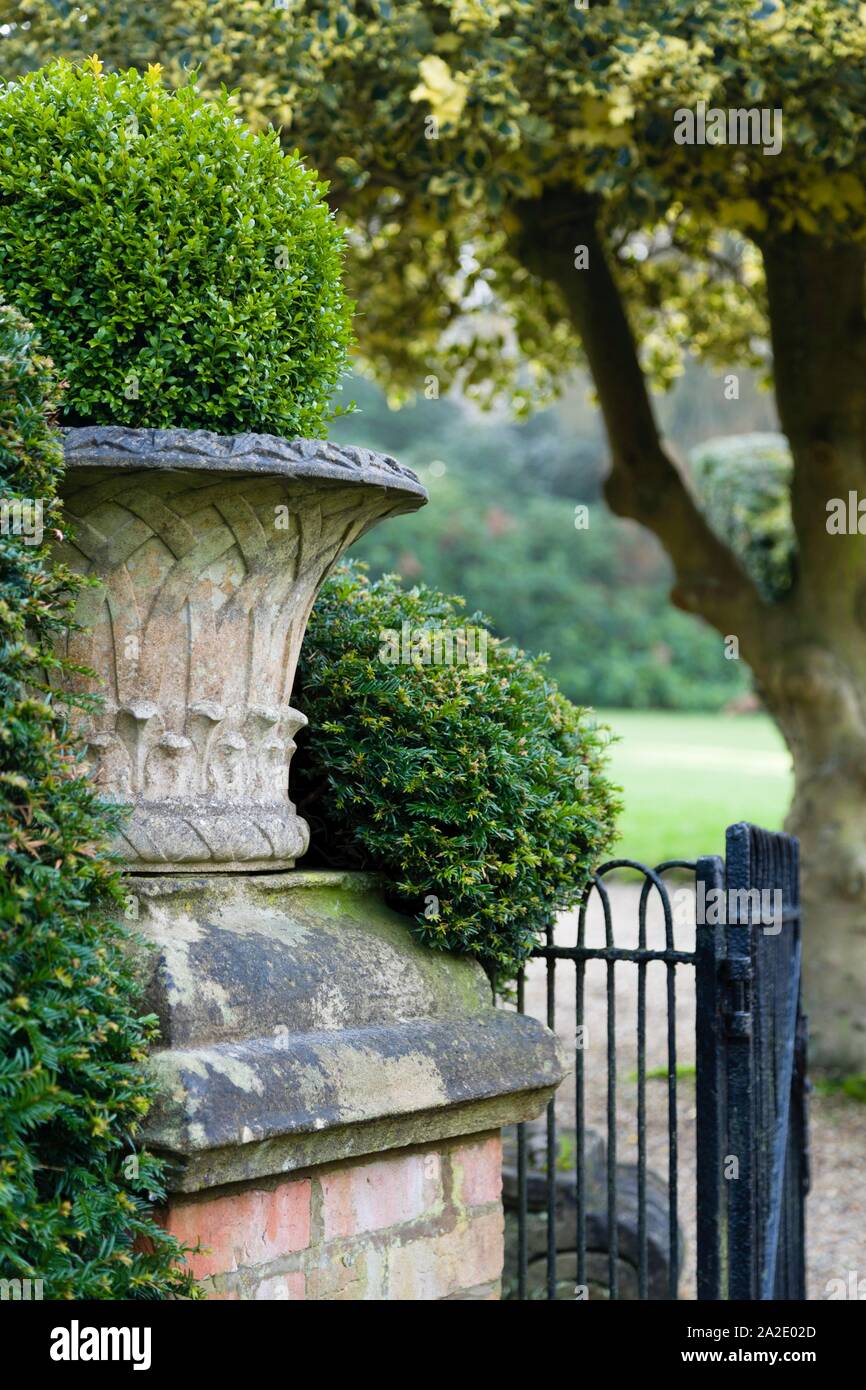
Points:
[(551, 1135), (642, 1271), (641, 956), (711, 1254), (780, 1144), (579, 1120), (612, 1223), (651, 880)]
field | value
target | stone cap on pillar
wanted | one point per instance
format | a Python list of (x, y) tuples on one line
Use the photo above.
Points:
[(302, 1023)]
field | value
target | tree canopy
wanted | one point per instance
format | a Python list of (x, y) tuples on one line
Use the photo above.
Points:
[(440, 122)]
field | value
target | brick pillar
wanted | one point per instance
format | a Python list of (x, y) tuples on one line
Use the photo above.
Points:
[(422, 1223)]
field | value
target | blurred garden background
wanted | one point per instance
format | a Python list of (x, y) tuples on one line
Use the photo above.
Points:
[(692, 750)]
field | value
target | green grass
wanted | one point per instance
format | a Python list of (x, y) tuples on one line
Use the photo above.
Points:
[(685, 1071), (853, 1087), (685, 777)]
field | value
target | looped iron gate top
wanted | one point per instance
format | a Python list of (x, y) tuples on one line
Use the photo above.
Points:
[(751, 1127)]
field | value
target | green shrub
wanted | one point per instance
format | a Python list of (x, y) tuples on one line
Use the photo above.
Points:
[(181, 271), (73, 1192), (744, 484), (477, 791)]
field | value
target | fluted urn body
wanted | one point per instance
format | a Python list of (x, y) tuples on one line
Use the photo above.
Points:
[(209, 551)]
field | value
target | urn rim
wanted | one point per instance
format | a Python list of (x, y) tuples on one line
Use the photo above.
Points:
[(124, 448)]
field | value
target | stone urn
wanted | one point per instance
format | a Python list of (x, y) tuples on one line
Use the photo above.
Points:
[(210, 551)]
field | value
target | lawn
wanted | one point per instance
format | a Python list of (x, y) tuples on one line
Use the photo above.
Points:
[(685, 777)]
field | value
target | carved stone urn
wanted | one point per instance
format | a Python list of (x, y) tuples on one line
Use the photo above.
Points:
[(210, 550)]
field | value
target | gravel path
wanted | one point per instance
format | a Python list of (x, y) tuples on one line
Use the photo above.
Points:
[(836, 1210)]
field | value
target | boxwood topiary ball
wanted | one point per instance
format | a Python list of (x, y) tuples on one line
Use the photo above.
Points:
[(181, 270)]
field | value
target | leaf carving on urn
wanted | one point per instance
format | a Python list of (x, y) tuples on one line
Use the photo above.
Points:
[(268, 754), (170, 769), (108, 763), (202, 723), (132, 727), (230, 768)]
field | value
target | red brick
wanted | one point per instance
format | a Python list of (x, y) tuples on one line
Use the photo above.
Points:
[(477, 1170), (246, 1228), (436, 1267), (385, 1192)]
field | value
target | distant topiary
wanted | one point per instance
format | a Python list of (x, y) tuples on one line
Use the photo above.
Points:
[(75, 1194), (470, 784), (181, 271), (744, 486)]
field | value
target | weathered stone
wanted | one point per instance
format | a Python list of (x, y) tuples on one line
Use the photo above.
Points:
[(291, 1152), (313, 951), (210, 550), (302, 1023)]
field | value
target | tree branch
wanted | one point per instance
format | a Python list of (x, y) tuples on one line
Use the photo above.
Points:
[(644, 483)]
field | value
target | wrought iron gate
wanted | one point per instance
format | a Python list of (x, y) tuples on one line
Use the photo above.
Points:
[(751, 1149)]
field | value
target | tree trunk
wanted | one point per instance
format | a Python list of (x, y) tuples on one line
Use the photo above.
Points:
[(819, 701), (813, 676)]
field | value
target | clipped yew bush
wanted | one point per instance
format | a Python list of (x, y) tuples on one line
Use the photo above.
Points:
[(471, 785), (181, 270), (75, 1194)]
